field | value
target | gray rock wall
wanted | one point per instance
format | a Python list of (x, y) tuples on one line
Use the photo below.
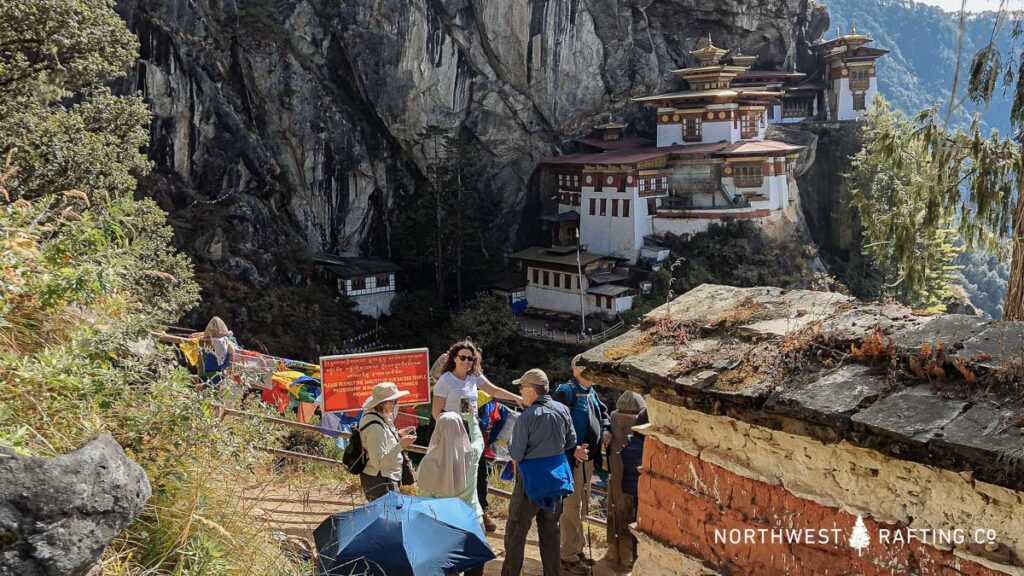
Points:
[(294, 123)]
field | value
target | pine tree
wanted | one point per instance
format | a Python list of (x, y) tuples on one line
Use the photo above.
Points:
[(859, 539), (889, 188), (973, 174)]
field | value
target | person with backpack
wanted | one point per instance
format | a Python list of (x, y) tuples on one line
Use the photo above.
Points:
[(381, 443), (592, 426), (632, 455), (623, 460), (493, 417)]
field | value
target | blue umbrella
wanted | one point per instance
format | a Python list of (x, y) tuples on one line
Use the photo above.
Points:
[(398, 535)]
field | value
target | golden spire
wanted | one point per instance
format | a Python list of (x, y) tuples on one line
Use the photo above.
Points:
[(854, 30), (708, 53)]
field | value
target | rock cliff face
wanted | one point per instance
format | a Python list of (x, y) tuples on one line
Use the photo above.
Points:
[(296, 123)]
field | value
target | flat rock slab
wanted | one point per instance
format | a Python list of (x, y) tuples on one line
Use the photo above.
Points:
[(853, 324), (916, 414), (1000, 344), (833, 398), (708, 301), (949, 329), (990, 436)]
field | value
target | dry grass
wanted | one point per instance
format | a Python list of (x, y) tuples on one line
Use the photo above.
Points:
[(639, 345), (744, 312)]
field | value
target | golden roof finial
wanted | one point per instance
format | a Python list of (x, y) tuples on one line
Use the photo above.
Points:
[(854, 29), (838, 33)]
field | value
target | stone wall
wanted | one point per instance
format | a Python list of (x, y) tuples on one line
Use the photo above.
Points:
[(703, 473), (782, 414)]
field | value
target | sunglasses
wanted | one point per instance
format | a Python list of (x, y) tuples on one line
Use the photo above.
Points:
[(466, 358)]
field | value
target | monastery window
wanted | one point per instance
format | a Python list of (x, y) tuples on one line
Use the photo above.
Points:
[(593, 204), (796, 108), (384, 281), (859, 79), (568, 281), (604, 207), (748, 175), (546, 278), (748, 125), (771, 112), (615, 207), (625, 208), (691, 128), (359, 283), (858, 101), (536, 276), (652, 205), (558, 280), (608, 302)]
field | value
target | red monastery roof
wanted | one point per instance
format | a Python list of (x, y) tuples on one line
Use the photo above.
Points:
[(618, 144), (749, 74), (635, 155), (625, 156), (759, 147)]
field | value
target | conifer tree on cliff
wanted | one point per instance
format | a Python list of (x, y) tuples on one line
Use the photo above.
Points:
[(976, 175)]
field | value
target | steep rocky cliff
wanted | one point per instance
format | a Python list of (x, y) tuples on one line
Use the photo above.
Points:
[(284, 127)]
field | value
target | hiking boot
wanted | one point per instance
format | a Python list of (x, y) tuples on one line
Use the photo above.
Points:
[(489, 524), (575, 567)]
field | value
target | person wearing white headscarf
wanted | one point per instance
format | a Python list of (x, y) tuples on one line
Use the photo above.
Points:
[(449, 468)]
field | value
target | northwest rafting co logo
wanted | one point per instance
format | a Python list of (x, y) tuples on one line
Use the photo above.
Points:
[(859, 538)]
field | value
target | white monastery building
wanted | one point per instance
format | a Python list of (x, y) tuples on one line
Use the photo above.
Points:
[(710, 161)]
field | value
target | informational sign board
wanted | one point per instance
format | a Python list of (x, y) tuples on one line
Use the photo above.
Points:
[(348, 380)]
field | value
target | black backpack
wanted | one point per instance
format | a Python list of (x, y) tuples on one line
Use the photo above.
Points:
[(354, 457)]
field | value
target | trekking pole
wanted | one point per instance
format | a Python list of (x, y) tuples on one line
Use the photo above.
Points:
[(590, 537), (585, 517)]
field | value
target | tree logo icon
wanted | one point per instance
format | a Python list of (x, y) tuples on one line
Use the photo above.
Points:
[(859, 538)]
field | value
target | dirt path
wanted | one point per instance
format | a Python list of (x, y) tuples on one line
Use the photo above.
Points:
[(296, 512)]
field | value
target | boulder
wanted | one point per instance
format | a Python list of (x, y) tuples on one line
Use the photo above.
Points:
[(58, 514)]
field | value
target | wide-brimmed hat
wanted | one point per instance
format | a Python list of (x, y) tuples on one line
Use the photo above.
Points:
[(384, 392), (534, 377)]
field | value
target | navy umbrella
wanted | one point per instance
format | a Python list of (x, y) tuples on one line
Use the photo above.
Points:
[(398, 535)]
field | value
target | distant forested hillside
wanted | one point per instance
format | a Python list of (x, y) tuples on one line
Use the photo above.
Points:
[(918, 73)]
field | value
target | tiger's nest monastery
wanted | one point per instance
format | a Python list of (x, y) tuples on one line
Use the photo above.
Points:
[(711, 161)]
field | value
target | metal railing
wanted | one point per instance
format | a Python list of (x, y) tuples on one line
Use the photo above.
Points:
[(223, 412), (566, 337)]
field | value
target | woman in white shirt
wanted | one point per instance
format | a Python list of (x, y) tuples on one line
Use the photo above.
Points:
[(383, 442), (462, 378)]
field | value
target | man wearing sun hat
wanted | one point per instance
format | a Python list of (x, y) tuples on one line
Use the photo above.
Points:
[(382, 441), (540, 439)]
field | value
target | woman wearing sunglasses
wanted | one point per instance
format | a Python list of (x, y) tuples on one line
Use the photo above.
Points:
[(460, 381)]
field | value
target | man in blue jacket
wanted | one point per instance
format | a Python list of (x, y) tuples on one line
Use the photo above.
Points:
[(540, 439), (592, 427)]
